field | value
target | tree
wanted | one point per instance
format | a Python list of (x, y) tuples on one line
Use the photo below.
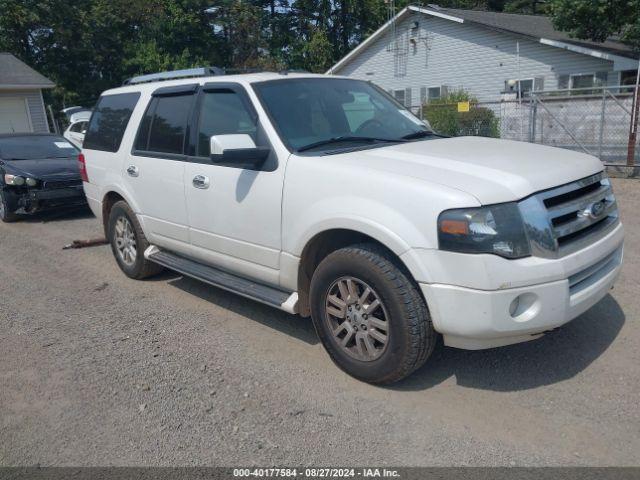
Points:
[(598, 19), (317, 52)]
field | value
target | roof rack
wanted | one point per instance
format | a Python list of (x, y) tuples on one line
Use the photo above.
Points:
[(174, 75)]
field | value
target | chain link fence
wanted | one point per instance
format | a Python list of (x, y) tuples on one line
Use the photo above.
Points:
[(593, 120)]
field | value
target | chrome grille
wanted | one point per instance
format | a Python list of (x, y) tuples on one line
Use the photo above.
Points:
[(562, 220)]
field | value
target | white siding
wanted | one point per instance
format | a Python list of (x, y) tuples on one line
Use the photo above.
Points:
[(465, 55), (35, 105)]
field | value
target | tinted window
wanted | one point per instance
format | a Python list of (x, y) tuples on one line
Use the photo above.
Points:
[(78, 127), (222, 112), (142, 140), (169, 124), (35, 147), (307, 111), (109, 121)]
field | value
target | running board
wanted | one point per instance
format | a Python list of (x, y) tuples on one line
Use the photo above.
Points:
[(286, 301)]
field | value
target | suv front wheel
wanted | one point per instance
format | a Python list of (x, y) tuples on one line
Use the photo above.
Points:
[(369, 315), (5, 214), (128, 243)]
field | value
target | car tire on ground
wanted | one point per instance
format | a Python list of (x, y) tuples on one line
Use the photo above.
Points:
[(5, 215), (369, 314), (128, 243)]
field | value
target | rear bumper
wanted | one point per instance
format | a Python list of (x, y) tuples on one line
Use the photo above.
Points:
[(472, 318), (91, 192)]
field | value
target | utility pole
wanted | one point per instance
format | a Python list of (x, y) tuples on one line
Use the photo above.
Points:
[(633, 127)]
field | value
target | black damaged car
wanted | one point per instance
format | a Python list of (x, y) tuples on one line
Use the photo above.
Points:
[(37, 172)]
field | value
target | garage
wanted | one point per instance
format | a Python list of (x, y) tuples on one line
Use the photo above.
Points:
[(14, 115), (22, 107)]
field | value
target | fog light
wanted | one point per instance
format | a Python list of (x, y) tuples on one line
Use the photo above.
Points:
[(513, 308), (524, 307), (31, 182)]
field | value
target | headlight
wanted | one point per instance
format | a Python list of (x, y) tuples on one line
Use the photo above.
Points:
[(496, 229), (13, 180), (31, 182)]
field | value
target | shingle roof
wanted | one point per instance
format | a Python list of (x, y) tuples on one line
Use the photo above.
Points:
[(15, 73), (533, 26)]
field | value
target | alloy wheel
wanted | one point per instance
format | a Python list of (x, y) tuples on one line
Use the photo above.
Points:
[(125, 240), (357, 318)]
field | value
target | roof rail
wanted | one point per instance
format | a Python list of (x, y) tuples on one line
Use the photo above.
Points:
[(174, 75)]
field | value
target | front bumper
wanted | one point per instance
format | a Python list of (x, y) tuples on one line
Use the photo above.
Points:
[(473, 318), (32, 200)]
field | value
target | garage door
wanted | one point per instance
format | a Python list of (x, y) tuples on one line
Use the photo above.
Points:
[(13, 115)]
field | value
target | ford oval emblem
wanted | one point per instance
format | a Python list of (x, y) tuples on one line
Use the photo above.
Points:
[(593, 211)]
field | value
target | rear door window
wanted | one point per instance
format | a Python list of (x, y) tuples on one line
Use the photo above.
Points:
[(164, 125), (109, 121)]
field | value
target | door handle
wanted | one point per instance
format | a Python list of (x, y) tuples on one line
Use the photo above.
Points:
[(200, 181), (133, 171)]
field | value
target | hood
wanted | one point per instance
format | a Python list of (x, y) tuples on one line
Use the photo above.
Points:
[(492, 170), (45, 168)]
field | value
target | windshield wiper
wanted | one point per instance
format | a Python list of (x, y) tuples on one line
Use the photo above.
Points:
[(347, 138), (420, 134)]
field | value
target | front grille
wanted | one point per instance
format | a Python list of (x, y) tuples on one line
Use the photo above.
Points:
[(591, 274), (54, 184), (564, 219)]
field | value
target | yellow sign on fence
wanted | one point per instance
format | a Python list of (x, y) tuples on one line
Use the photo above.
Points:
[(463, 106)]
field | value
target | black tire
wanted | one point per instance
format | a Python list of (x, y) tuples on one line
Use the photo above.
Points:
[(141, 267), (5, 215), (411, 337)]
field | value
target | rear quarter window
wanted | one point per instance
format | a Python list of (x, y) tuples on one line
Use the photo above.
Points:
[(109, 121)]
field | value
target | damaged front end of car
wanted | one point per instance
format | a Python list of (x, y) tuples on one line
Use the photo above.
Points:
[(26, 195)]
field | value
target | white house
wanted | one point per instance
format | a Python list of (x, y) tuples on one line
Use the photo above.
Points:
[(21, 103), (422, 52)]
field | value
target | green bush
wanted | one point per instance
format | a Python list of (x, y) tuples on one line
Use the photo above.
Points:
[(444, 117)]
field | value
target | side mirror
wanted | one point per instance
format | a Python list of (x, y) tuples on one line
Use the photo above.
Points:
[(237, 150)]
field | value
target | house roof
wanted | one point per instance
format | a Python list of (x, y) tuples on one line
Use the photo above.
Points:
[(17, 74), (536, 27)]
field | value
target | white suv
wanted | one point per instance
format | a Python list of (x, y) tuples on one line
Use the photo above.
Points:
[(322, 196)]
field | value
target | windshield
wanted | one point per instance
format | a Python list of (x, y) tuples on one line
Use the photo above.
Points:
[(34, 147), (335, 113)]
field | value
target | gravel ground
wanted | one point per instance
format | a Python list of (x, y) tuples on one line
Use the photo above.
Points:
[(97, 369)]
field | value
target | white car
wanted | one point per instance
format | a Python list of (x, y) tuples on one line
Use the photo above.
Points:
[(78, 123), (324, 197)]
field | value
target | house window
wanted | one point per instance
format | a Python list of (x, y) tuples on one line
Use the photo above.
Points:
[(520, 87), (429, 94), (628, 77), (399, 96), (582, 83), (434, 93)]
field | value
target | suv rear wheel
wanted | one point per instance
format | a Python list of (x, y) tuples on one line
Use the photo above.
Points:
[(369, 315), (128, 243)]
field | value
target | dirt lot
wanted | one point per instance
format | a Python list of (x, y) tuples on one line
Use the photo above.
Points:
[(97, 369)]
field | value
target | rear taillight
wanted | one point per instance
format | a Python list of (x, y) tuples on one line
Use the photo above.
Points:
[(83, 168)]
